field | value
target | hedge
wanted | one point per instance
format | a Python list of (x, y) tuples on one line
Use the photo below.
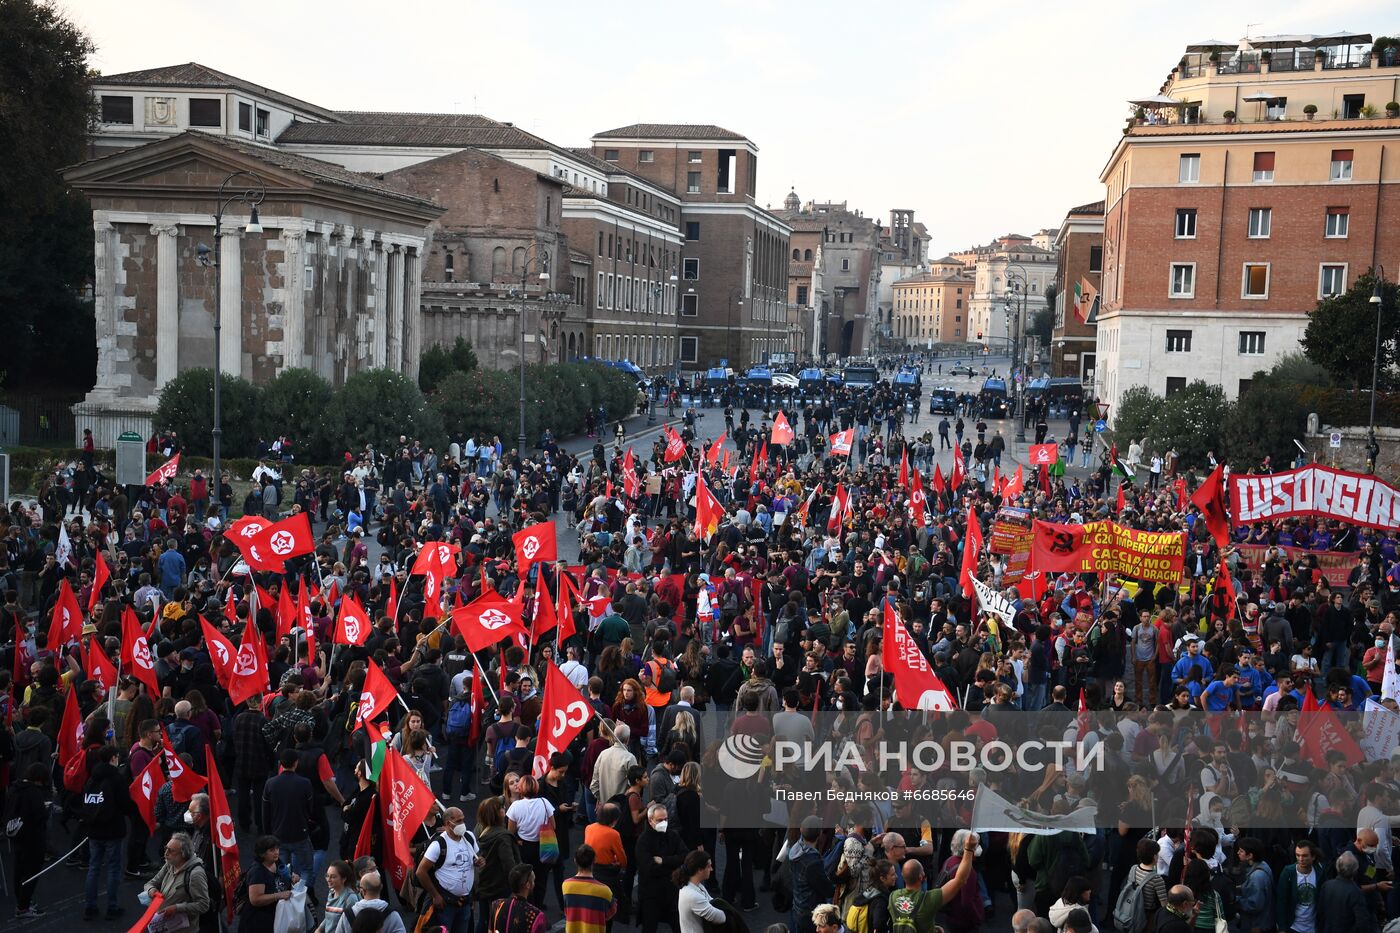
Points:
[(486, 403)]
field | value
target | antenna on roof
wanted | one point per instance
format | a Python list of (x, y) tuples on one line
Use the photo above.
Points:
[(1248, 26)]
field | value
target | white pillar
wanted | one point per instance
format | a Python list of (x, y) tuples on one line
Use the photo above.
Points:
[(105, 299), (413, 330), (380, 307), (294, 302), (167, 304), (395, 293), (231, 302)]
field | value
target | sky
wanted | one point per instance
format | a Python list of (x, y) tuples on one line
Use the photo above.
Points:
[(983, 118)]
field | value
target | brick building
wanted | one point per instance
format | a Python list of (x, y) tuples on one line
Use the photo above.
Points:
[(1079, 269), (807, 294), (932, 307), (1222, 233), (330, 283), (733, 275), (903, 253)]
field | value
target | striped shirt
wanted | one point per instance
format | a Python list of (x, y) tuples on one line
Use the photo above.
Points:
[(588, 905)]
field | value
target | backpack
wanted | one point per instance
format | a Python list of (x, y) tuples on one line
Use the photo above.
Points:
[(75, 773), (858, 916), (1225, 889), (831, 858), (902, 921), (184, 737), (441, 840), (459, 720), (1130, 910), (966, 908), (665, 676), (1067, 862)]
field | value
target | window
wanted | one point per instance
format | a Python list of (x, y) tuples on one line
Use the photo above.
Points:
[(262, 123), (727, 173), (1338, 221), (1332, 280), (117, 109), (598, 300), (690, 270), (1256, 280), (1263, 166), (806, 255), (609, 155), (1096, 259), (1183, 280), (1251, 343), (1341, 165), (693, 156), (1175, 384), (692, 229), (447, 268), (845, 265), (690, 305), (245, 117), (690, 349), (1276, 109), (600, 243), (1245, 384), (1351, 106), (1178, 341), (802, 294), (206, 111), (1189, 169), (1261, 220), (646, 155), (959, 305), (692, 182)]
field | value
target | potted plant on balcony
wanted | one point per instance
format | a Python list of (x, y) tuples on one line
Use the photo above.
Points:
[(1392, 109), (1266, 56), (1214, 56), (1229, 116), (1368, 111), (1310, 110)]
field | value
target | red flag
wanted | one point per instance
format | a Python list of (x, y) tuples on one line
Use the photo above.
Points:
[(66, 623), (364, 842), (70, 730), (724, 467), (478, 701), (406, 801), (675, 446), (631, 485), (221, 652), (1045, 481), (221, 821), (1209, 497), (1015, 485), (806, 508), (165, 471), (712, 455), (564, 612), (393, 607), (839, 501), (231, 607), (753, 466), (563, 714), (904, 467), (918, 503), (286, 539), (782, 433), (708, 511), (959, 473), (184, 782), (286, 610), (248, 673), (352, 625), (535, 545), (144, 789), (841, 442), (375, 696), (1320, 732), (545, 619), (487, 619), (100, 667), (246, 535), (1180, 487), (901, 657), (1082, 720), (100, 576), (305, 621), (940, 485), (1122, 502), (1043, 455), (972, 550)]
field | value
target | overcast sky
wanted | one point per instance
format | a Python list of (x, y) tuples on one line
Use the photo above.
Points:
[(984, 118)]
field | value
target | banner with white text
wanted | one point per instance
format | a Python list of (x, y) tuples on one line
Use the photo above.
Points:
[(1314, 491)]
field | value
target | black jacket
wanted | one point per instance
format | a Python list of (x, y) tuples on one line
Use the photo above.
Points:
[(29, 804), (287, 802), (106, 799), (655, 878)]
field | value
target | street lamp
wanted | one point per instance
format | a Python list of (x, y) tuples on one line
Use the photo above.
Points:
[(1377, 299), (736, 300), (541, 262), (252, 194), (1017, 285), (654, 310)]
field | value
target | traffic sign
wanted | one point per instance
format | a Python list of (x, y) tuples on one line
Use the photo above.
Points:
[(1335, 439), (1100, 426)]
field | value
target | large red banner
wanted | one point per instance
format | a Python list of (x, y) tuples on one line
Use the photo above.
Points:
[(1316, 491), (1336, 566), (1108, 547)]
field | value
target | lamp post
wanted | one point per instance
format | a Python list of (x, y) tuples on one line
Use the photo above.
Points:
[(1377, 299), (655, 310), (252, 193), (1020, 289), (676, 350), (540, 260), (736, 300)]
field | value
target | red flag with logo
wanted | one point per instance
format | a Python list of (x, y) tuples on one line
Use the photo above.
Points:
[(563, 714), (66, 623), (221, 653), (100, 576), (782, 433), (959, 472), (244, 534), (184, 782), (904, 468), (838, 509), (248, 673), (535, 545), (144, 789), (291, 537), (675, 446), (100, 667), (166, 471), (406, 802), (842, 441), (1043, 454), (631, 485), (545, 619), (1015, 485), (918, 504), (708, 511), (487, 619), (806, 508), (352, 624), (221, 825), (972, 550), (376, 695), (712, 455), (1320, 732), (913, 677)]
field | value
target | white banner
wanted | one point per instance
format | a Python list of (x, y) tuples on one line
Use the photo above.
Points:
[(994, 602), (1381, 731), (991, 812)]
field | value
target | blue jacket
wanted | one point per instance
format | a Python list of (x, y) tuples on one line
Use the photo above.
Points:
[(172, 569), (1182, 668), (1257, 898)]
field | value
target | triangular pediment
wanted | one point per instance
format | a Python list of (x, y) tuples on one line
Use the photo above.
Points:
[(188, 162)]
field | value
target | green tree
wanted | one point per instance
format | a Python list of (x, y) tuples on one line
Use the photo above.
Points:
[(1192, 422), (1264, 423), (1341, 333), (437, 361), (482, 403), (1297, 369), (372, 406), (292, 404), (1042, 325), (186, 407), (46, 237), (1137, 412)]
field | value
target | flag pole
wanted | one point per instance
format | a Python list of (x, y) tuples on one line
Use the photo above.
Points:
[(486, 681)]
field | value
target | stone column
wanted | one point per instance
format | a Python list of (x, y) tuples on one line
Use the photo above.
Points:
[(105, 298), (167, 303), (347, 327), (379, 309), (231, 301), (294, 301), (413, 312), (395, 293)]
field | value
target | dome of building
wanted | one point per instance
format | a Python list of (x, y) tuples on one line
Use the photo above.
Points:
[(792, 202)]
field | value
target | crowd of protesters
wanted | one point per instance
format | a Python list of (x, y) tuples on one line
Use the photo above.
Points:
[(771, 618)]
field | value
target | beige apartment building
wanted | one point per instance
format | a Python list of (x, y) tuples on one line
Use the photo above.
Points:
[(932, 307)]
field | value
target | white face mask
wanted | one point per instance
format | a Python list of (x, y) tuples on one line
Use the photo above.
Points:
[(660, 826), (459, 830), (189, 818)]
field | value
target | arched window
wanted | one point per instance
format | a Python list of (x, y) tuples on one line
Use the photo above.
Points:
[(498, 263), (796, 255), (447, 268), (517, 262), (807, 256)]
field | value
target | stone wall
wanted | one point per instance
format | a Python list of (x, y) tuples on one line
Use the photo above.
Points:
[(1352, 454)]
